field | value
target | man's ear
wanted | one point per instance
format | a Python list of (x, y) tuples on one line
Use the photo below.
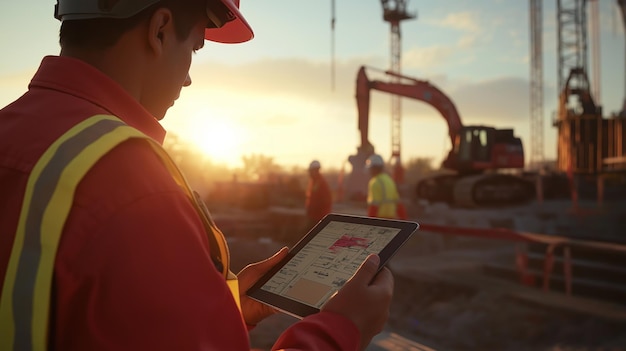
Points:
[(160, 29)]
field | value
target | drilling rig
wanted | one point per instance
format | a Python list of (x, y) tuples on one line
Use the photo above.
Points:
[(589, 146), (577, 115)]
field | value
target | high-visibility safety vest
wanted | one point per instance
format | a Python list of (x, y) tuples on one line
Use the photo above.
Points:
[(383, 193), (25, 301)]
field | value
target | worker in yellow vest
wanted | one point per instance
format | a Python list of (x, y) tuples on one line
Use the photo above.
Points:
[(383, 199)]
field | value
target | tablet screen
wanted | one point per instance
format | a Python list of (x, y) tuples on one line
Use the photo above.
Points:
[(327, 261)]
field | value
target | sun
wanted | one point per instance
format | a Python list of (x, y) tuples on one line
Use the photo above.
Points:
[(219, 138)]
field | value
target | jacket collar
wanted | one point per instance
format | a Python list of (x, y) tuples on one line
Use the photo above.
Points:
[(77, 78)]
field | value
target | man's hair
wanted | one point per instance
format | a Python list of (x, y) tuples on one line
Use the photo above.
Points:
[(101, 33)]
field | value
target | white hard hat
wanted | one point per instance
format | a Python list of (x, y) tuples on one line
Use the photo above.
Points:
[(374, 161), (315, 164), (226, 25)]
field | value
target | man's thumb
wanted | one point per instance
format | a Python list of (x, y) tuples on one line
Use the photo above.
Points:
[(367, 270), (261, 267), (268, 263)]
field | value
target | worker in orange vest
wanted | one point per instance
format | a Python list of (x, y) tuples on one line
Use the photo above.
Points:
[(383, 199), (319, 198)]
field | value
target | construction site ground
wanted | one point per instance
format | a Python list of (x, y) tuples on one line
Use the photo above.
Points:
[(443, 298)]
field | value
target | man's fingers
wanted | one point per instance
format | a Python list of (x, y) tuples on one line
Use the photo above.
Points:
[(367, 271)]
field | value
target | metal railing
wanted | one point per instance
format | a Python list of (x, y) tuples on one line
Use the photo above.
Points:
[(552, 242)]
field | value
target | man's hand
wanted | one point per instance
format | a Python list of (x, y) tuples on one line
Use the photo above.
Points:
[(365, 299), (254, 311)]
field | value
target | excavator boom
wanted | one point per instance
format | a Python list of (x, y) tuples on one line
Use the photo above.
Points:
[(417, 89)]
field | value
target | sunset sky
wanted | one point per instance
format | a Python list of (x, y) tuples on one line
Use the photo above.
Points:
[(274, 95)]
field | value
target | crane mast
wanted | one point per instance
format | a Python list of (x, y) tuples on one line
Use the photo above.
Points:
[(622, 7), (395, 11), (536, 84)]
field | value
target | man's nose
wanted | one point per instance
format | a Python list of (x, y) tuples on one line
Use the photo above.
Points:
[(187, 81)]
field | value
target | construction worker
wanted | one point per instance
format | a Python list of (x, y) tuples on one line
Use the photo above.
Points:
[(319, 198), (383, 199), (103, 246)]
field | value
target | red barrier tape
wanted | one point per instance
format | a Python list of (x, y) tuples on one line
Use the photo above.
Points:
[(490, 233), (515, 236)]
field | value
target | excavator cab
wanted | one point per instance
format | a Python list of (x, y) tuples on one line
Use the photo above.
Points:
[(476, 150), (479, 148)]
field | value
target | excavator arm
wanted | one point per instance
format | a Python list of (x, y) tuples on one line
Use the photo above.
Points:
[(417, 89)]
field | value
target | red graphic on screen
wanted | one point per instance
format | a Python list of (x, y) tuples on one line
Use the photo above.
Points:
[(347, 241)]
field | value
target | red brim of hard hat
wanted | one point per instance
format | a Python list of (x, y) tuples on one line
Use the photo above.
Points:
[(235, 31)]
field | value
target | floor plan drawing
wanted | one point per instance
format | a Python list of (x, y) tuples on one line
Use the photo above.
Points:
[(326, 262)]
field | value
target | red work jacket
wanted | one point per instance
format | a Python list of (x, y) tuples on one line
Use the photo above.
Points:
[(319, 199), (133, 270)]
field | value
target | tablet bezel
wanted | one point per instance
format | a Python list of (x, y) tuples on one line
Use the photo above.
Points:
[(301, 310)]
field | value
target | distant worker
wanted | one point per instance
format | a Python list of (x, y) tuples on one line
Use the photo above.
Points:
[(319, 199), (383, 199)]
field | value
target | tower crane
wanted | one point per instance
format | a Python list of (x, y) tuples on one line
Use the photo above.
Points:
[(395, 11)]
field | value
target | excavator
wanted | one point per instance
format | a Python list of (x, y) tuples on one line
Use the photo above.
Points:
[(478, 157)]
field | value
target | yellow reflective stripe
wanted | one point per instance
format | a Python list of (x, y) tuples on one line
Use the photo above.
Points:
[(29, 274), (233, 286), (218, 245), (47, 202), (59, 208)]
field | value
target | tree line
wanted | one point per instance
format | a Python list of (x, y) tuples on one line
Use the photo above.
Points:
[(203, 174)]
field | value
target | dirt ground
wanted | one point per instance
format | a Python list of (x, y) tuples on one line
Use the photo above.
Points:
[(458, 317), (442, 301)]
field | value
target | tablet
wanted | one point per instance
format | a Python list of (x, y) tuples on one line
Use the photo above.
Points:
[(325, 258)]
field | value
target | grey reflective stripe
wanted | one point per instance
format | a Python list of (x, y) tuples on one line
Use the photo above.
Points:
[(31, 252)]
